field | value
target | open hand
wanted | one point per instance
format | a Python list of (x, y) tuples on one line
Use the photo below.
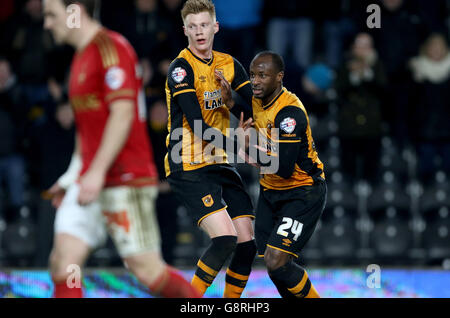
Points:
[(91, 184), (241, 132), (226, 89), (56, 194), (247, 124)]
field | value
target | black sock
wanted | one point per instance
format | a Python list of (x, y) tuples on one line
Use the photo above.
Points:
[(292, 280), (212, 261), (239, 269)]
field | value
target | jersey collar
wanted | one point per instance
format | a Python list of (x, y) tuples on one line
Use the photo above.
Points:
[(209, 63), (273, 100)]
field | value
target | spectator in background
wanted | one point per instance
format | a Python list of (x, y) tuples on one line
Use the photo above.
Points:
[(397, 41), (290, 26), (12, 132), (29, 47), (149, 31), (115, 14), (315, 83), (166, 204), (399, 37), (311, 86), (52, 145), (432, 13), (359, 85), (337, 28), (171, 10), (431, 107), (243, 18)]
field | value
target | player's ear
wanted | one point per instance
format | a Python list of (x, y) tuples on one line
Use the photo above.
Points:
[(216, 27), (280, 76)]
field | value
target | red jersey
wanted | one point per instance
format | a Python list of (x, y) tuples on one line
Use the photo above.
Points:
[(107, 70)]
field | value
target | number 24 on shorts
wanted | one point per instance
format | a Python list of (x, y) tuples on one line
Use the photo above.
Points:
[(288, 223)]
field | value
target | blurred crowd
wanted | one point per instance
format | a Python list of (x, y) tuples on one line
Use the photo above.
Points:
[(366, 90)]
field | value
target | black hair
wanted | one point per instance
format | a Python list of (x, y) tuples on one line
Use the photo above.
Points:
[(277, 59)]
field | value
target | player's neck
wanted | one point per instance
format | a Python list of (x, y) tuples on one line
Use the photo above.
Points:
[(206, 54), (267, 100), (85, 34)]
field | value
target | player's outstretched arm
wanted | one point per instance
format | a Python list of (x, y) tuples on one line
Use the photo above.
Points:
[(58, 189), (191, 109), (180, 81)]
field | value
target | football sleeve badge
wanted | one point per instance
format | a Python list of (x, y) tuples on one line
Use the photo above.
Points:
[(288, 125), (115, 77), (178, 74)]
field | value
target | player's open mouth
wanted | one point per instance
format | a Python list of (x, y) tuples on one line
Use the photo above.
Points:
[(201, 41), (257, 91)]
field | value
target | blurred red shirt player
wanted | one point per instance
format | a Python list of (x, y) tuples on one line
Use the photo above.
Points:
[(117, 181), (105, 71)]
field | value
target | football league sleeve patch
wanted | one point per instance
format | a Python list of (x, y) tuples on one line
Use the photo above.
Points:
[(180, 77), (120, 80), (290, 124)]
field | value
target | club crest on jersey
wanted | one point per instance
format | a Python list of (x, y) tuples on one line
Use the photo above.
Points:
[(213, 99), (178, 74), (115, 77), (288, 125)]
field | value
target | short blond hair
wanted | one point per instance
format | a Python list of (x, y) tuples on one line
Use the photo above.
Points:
[(198, 6)]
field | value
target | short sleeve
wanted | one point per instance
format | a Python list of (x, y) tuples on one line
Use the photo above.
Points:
[(291, 122), (120, 78), (240, 76), (180, 77)]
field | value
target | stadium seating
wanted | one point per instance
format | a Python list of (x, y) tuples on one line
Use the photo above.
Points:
[(392, 236), (437, 233), (19, 240), (338, 239)]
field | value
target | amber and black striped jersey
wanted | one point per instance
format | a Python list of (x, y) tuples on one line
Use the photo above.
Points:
[(195, 104), (285, 125)]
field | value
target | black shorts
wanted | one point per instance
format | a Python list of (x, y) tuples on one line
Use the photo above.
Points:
[(286, 219), (210, 189)]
